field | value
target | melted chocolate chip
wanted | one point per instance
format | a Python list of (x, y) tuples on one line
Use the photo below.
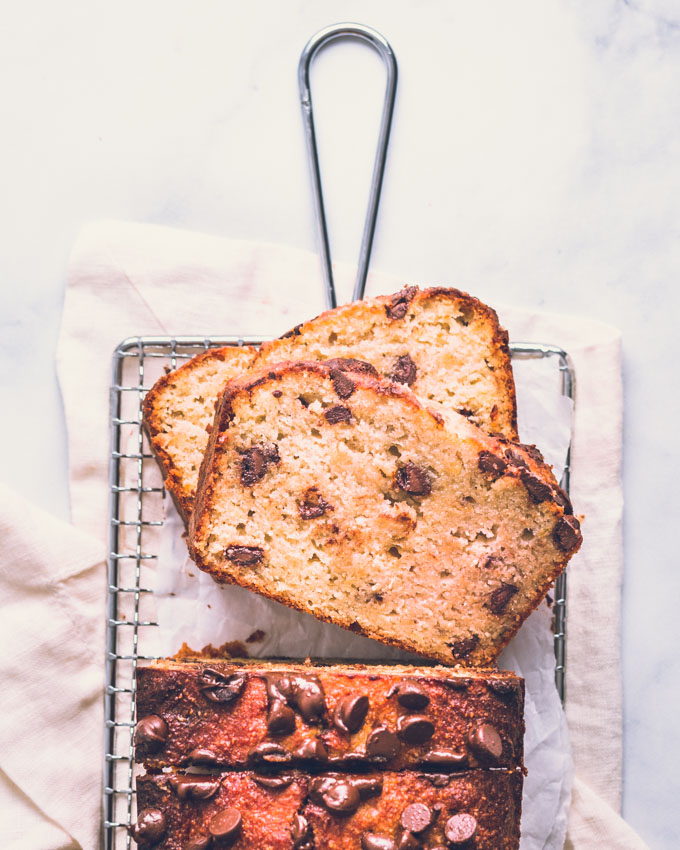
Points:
[(414, 480), (382, 743), (292, 332), (313, 750), (538, 490), (226, 824), (281, 720), (343, 386), (194, 787), (368, 787), (150, 827), (244, 556), (152, 732), (516, 459), (412, 696), (499, 599), (398, 304), (373, 841), (533, 452), (337, 414), (278, 687), (485, 741), (404, 370), (254, 462), (351, 364), (567, 533), (217, 687), (464, 647), (502, 686), (198, 842), (408, 841), (417, 818), (460, 829), (336, 795), (313, 505), (271, 753), (202, 756), (274, 783), (563, 500), (491, 464), (308, 697), (301, 833), (415, 728), (449, 759), (349, 713)]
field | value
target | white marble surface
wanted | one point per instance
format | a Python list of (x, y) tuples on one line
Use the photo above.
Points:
[(535, 161)]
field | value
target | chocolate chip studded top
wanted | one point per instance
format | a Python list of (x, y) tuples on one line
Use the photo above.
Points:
[(222, 714)]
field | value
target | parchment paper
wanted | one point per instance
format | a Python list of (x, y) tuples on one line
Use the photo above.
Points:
[(193, 609)]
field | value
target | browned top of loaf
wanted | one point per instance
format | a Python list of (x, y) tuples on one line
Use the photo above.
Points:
[(440, 540), (179, 409), (446, 345), (244, 714), (294, 811)]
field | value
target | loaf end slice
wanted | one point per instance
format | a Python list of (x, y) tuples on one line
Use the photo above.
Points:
[(178, 412), (445, 345), (341, 495)]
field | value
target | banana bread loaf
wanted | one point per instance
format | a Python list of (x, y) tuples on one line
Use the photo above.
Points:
[(179, 409), (340, 494), (239, 714), (293, 811)]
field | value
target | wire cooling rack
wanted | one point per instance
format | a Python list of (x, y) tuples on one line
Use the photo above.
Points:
[(136, 511)]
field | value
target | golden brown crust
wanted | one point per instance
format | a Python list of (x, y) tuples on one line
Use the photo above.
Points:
[(230, 710), (332, 811), (519, 466)]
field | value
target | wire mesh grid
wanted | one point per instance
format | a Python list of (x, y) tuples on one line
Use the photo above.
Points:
[(136, 500)]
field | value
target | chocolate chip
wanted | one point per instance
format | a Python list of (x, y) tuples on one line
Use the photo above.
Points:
[(450, 759), (281, 720), (313, 505), (270, 752), (373, 841), (485, 741), (408, 841), (336, 795), (493, 562), (308, 697), (292, 332), (150, 827), (563, 500), (438, 780), (273, 783), (152, 732), (404, 370), (466, 412), (244, 556), (460, 829), (499, 599), (398, 304), (343, 386), (491, 464), (368, 787), (253, 466), (301, 833), (516, 459), (349, 713), (412, 696), (464, 647), (351, 364), (502, 686), (313, 750), (414, 480), (225, 824), (277, 393), (538, 490), (198, 842), (194, 787), (417, 818), (337, 414), (382, 743), (278, 687), (415, 728), (533, 452), (217, 687), (202, 756), (567, 533)]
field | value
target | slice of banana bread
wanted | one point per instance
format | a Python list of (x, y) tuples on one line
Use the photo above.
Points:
[(241, 714), (180, 408), (294, 811), (341, 495), (444, 344)]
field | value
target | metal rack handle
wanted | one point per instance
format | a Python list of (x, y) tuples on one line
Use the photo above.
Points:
[(315, 43)]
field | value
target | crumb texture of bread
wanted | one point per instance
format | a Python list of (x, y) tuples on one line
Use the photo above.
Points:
[(178, 412), (238, 715), (330, 811), (340, 494), (446, 345)]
